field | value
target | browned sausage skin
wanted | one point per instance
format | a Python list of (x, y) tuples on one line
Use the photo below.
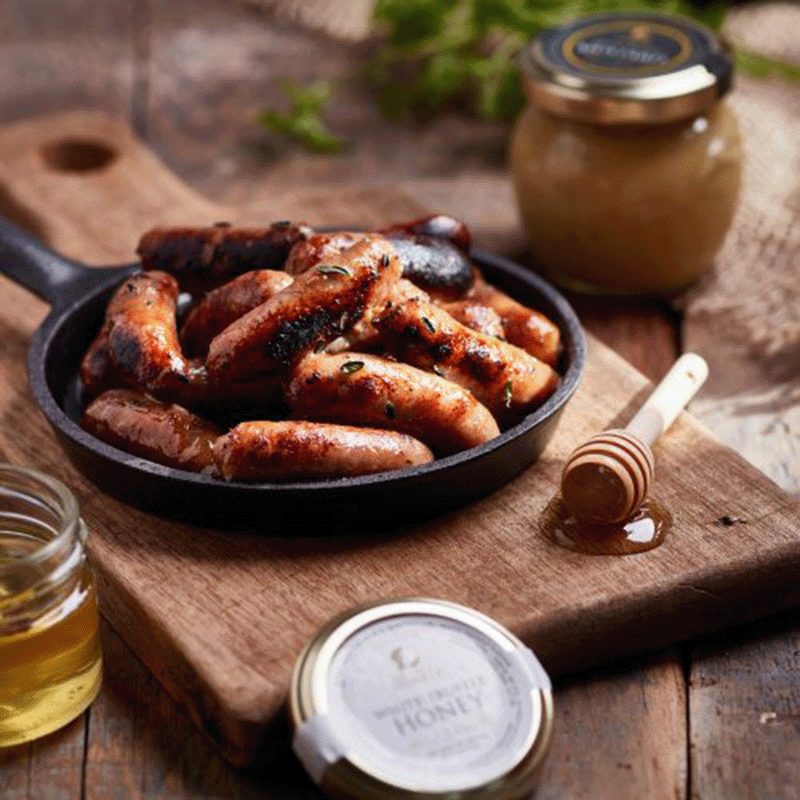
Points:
[(96, 372), (360, 389), (476, 317), (204, 258), (287, 450), (524, 327), (506, 379), (318, 307), (166, 434), (225, 304), (143, 339), (440, 226), (318, 249)]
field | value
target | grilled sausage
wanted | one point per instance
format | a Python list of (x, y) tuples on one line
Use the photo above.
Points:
[(320, 305), (225, 304), (318, 249), (166, 434), (476, 317), (276, 451), (506, 379), (363, 337), (359, 389), (204, 258), (439, 226), (524, 327), (143, 339), (96, 371), (434, 264)]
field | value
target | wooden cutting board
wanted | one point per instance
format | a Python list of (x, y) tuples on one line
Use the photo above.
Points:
[(219, 617)]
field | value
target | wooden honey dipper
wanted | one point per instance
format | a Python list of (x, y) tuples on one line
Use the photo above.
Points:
[(607, 478)]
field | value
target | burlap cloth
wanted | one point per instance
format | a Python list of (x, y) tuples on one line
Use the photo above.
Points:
[(745, 316)]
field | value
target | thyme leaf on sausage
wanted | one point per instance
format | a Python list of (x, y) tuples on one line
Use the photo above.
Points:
[(389, 409), (429, 325), (319, 346), (352, 366), (333, 269), (507, 389)]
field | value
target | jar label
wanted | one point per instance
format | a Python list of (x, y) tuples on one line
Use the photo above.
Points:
[(628, 45), (431, 704)]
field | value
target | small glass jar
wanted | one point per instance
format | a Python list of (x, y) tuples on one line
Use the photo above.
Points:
[(627, 162), (50, 658), (420, 699)]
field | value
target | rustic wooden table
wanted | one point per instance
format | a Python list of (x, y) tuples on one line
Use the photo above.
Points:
[(714, 718)]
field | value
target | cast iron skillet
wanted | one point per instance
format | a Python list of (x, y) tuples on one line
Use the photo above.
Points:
[(78, 296)]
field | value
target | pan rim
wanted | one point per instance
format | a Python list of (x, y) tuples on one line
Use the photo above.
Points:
[(575, 354)]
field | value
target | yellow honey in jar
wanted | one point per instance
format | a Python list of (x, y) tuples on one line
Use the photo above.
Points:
[(50, 658)]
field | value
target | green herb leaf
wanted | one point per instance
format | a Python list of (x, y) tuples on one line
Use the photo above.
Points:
[(319, 346), (507, 391), (303, 121), (429, 325), (352, 366), (764, 67), (333, 269), (389, 409)]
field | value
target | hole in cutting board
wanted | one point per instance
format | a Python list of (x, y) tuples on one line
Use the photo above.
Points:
[(78, 155)]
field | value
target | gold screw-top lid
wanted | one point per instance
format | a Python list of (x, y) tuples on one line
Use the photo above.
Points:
[(626, 67), (420, 699)]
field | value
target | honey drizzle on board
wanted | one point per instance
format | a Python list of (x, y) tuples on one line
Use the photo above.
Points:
[(644, 530)]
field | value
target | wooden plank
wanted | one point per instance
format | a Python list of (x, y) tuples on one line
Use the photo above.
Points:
[(744, 712), (142, 747), (214, 65), (620, 734), (194, 629), (61, 53), (50, 768)]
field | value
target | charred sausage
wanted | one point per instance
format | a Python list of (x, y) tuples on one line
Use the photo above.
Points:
[(318, 307), (433, 264), (524, 327), (506, 379), (439, 226), (360, 389), (225, 304), (143, 339), (96, 371), (204, 258), (166, 434), (287, 450)]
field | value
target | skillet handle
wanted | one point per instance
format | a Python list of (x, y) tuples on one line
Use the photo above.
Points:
[(28, 262)]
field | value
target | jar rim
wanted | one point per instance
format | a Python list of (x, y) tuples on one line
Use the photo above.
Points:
[(68, 510)]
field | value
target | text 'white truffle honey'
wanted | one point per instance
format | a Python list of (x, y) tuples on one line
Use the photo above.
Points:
[(420, 698)]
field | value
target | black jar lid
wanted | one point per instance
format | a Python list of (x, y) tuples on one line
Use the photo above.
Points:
[(627, 67)]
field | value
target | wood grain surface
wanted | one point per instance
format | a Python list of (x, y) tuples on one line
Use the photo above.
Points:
[(187, 600), (217, 147)]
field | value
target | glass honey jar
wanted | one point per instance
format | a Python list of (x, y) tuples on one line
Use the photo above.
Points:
[(50, 658), (627, 162), (420, 699)]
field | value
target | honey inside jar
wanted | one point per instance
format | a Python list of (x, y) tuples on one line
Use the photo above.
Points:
[(50, 658)]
